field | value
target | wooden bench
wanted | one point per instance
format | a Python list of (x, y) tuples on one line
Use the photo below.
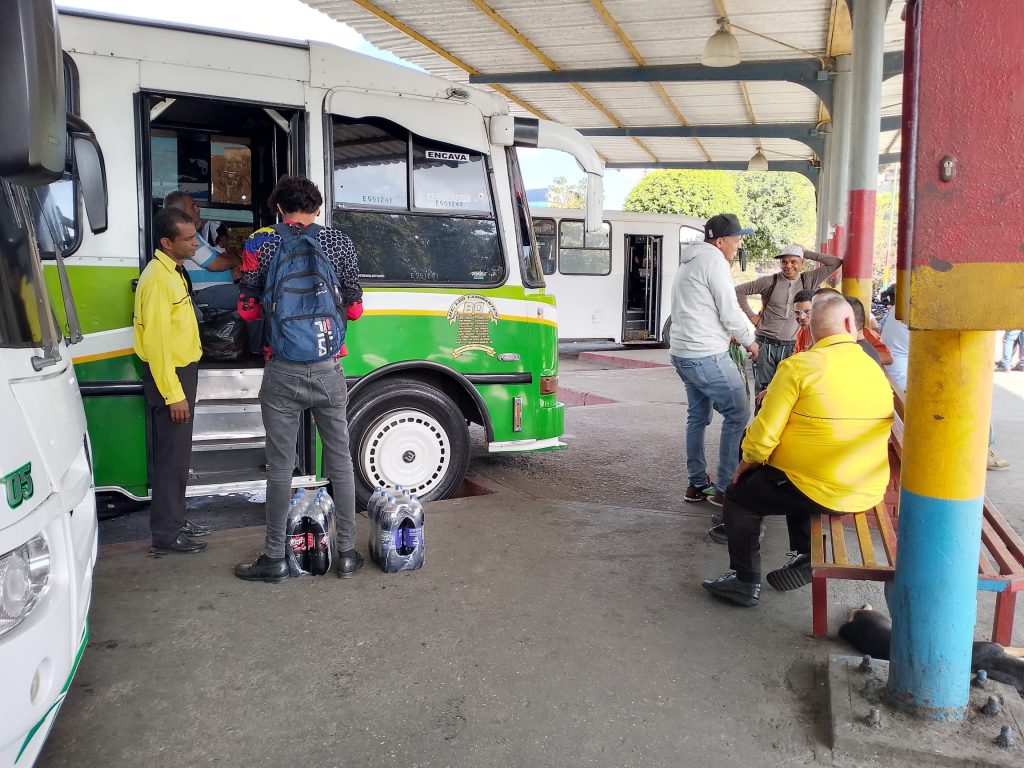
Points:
[(869, 552)]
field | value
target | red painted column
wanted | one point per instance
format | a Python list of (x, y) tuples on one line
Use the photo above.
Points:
[(868, 48)]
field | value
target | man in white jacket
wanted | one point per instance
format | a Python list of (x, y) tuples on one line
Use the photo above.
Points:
[(705, 317)]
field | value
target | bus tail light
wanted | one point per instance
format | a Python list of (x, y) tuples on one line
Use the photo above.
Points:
[(548, 385)]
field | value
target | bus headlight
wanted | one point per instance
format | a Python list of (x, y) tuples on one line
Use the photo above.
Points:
[(24, 574)]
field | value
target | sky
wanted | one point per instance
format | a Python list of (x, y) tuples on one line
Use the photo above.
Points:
[(294, 19)]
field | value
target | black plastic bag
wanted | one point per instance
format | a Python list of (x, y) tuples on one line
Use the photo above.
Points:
[(224, 335)]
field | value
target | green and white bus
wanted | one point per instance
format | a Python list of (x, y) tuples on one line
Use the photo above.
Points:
[(421, 172)]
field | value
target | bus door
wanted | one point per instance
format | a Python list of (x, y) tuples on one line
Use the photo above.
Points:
[(642, 288), (228, 156)]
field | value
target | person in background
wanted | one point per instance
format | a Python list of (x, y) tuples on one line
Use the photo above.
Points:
[(819, 445), (212, 267), (869, 348), (705, 317), (802, 313), (167, 342), (1010, 340), (776, 324)]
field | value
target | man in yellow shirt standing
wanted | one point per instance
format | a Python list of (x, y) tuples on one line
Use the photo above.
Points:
[(167, 342), (819, 445)]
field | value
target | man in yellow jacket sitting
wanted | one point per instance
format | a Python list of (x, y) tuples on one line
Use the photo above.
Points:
[(818, 445)]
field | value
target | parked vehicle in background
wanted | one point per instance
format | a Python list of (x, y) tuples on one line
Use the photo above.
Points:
[(612, 285)]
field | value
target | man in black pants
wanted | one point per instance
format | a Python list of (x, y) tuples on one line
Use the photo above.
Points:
[(819, 445), (167, 342)]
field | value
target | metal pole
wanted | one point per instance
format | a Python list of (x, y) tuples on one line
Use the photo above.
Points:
[(825, 194), (842, 106), (868, 49), (933, 597)]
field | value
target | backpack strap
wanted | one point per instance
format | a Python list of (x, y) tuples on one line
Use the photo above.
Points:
[(771, 291)]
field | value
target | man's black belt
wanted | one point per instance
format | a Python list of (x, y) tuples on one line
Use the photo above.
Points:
[(769, 340)]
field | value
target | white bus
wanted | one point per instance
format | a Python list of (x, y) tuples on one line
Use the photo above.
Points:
[(421, 173), (48, 162), (615, 284)]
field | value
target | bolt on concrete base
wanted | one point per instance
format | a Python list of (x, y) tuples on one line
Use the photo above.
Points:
[(856, 694)]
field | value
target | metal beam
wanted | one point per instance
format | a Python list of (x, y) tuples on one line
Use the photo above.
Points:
[(796, 166), (795, 70)]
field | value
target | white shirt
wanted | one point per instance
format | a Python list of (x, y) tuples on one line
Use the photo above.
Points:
[(896, 336)]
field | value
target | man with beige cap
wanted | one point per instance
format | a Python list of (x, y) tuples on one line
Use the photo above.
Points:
[(776, 323)]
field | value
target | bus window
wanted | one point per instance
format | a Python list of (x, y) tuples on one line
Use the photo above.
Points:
[(544, 229), (690, 234), (402, 244), (580, 253), (445, 179), (529, 259), (370, 165), (26, 320)]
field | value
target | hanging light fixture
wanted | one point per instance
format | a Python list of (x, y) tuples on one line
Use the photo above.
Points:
[(722, 48), (758, 162)]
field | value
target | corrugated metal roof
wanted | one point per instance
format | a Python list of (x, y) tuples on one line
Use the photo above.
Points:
[(457, 38)]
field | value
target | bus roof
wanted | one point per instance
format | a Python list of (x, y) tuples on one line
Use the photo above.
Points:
[(323, 64), (540, 212)]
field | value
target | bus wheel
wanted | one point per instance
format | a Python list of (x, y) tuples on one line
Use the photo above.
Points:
[(666, 334), (410, 434)]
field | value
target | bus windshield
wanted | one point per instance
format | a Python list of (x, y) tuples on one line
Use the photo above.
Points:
[(26, 320)]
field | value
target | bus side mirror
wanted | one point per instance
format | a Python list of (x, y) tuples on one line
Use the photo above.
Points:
[(91, 174)]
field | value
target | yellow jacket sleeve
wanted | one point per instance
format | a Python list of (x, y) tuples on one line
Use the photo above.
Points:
[(155, 303), (766, 430)]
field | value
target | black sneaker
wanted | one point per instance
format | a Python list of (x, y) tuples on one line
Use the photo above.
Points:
[(349, 562), (1000, 368), (695, 493), (729, 587), (793, 575), (263, 568)]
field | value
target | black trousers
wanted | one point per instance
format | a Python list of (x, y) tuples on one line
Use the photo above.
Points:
[(172, 452), (761, 492)]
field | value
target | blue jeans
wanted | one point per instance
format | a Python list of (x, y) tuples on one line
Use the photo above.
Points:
[(1009, 339), (713, 381)]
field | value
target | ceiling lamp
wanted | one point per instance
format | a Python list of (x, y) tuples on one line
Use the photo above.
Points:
[(758, 162), (721, 49)]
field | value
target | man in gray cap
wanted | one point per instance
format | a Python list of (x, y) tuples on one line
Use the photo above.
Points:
[(776, 323), (705, 317)]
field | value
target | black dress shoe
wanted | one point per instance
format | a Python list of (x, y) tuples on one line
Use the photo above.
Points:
[(182, 545), (195, 529), (349, 562), (263, 568), (793, 575), (731, 588)]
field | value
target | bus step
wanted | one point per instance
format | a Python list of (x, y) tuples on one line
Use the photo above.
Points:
[(222, 421), (229, 444), (641, 334), (229, 383)]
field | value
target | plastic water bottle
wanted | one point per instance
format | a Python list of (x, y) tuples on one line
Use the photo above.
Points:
[(374, 498), (318, 518), (297, 549), (412, 535)]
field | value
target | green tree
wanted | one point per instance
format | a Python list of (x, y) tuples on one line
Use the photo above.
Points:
[(779, 207), (565, 194), (691, 193)]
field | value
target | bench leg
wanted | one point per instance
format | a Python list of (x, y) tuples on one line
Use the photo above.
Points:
[(819, 606), (1002, 628)]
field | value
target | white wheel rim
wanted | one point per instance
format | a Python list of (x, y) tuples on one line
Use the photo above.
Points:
[(408, 448)]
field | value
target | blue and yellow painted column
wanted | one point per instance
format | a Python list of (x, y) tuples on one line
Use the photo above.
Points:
[(933, 598)]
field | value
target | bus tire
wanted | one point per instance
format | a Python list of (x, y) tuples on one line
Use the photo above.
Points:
[(404, 432), (666, 334)]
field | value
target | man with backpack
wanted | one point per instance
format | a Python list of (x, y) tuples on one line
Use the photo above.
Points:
[(304, 280), (776, 323)]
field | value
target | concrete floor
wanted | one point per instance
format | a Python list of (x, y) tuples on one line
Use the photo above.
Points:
[(558, 622)]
